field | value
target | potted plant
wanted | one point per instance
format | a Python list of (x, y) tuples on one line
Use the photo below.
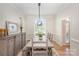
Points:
[(40, 35)]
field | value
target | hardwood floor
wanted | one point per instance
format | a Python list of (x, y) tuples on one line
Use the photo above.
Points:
[(60, 50), (57, 50)]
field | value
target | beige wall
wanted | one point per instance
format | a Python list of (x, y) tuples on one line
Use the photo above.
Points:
[(71, 12), (30, 20), (8, 12)]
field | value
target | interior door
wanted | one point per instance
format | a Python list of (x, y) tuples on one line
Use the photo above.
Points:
[(65, 31)]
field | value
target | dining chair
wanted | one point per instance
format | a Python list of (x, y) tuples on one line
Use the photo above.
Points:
[(39, 50)]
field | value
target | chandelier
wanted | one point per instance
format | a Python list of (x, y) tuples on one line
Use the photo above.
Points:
[(39, 22)]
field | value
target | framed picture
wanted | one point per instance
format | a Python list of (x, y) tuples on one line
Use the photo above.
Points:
[(11, 27)]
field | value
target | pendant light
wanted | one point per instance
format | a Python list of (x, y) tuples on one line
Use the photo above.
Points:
[(39, 9), (39, 23)]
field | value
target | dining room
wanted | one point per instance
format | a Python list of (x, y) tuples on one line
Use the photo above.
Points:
[(39, 29)]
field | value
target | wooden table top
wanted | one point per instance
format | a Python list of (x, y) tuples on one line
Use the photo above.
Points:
[(40, 44)]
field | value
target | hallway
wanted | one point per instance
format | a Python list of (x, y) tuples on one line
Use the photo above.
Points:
[(39, 29)]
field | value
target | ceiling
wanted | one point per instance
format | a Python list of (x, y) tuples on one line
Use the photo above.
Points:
[(46, 8)]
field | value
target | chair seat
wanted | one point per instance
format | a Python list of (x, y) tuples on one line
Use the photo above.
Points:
[(39, 53)]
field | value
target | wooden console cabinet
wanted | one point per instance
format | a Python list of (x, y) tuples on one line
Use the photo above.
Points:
[(11, 45)]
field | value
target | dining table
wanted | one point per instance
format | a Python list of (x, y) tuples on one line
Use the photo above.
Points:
[(36, 43), (40, 43)]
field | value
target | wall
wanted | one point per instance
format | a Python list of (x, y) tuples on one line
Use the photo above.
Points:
[(8, 12), (71, 12), (30, 20)]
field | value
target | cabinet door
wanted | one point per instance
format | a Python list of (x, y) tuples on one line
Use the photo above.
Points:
[(22, 40), (17, 44), (11, 47)]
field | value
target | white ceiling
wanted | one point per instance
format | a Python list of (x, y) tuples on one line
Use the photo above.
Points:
[(46, 8)]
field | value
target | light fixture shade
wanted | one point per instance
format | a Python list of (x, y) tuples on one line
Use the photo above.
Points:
[(39, 22)]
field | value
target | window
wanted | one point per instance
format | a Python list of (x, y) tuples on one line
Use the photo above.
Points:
[(40, 26)]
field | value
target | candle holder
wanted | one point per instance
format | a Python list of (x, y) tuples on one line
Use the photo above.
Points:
[(21, 28)]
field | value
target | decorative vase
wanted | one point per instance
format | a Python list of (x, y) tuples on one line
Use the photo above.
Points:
[(40, 38)]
